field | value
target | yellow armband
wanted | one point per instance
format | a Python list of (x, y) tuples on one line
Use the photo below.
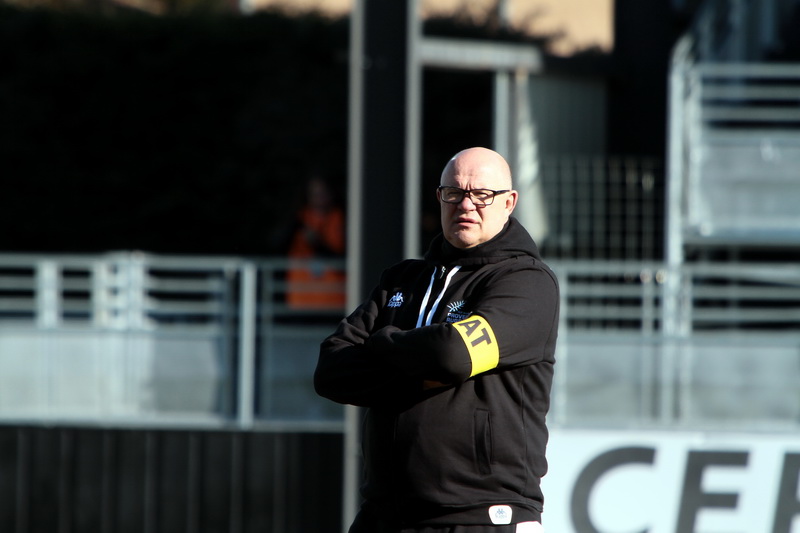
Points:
[(481, 343)]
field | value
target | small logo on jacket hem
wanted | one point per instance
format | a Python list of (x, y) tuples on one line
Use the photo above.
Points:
[(396, 300), (500, 514)]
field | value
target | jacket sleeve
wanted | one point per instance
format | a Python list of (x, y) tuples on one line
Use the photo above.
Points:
[(348, 371), (514, 323)]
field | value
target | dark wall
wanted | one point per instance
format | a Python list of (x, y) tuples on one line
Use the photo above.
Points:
[(465, 121), (119, 481), (190, 134), (167, 134), (644, 34)]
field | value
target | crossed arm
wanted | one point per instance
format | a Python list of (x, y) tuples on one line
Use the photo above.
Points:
[(511, 326)]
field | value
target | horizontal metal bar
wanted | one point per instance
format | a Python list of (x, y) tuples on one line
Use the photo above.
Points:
[(604, 290), (777, 316), (773, 273), (73, 305), (752, 136), (18, 304), (71, 284), (605, 312), (17, 283), (749, 70), (188, 308), (479, 55), (64, 260), (776, 294), (604, 267), (185, 286), (774, 114), (750, 92)]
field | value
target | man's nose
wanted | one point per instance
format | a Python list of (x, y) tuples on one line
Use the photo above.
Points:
[(466, 203)]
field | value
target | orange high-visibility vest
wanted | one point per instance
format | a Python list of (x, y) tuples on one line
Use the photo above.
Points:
[(310, 283)]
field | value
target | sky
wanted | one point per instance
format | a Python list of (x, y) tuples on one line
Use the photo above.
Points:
[(584, 23)]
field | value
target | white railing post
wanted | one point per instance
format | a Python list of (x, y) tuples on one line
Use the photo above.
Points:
[(48, 302), (678, 175), (247, 346), (100, 301), (136, 292)]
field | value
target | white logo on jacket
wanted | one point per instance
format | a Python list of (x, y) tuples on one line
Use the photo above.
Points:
[(456, 312), (396, 300), (500, 514)]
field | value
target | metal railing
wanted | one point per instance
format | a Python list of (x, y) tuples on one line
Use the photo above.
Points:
[(734, 153), (135, 339), (142, 339), (702, 345)]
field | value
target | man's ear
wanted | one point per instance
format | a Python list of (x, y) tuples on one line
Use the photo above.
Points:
[(511, 201)]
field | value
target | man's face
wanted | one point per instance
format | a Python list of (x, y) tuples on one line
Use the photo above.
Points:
[(464, 225)]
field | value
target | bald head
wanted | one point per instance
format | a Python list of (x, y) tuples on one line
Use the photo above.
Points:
[(479, 161), (465, 224)]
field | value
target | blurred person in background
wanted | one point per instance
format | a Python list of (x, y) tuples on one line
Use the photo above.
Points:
[(317, 237), (453, 356)]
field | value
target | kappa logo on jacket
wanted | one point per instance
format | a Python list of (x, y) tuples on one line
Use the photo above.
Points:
[(456, 312), (500, 514), (396, 300)]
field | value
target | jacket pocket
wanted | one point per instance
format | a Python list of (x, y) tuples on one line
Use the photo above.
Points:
[(483, 441)]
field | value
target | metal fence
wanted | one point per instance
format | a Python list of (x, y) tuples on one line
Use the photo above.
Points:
[(601, 208), (135, 339)]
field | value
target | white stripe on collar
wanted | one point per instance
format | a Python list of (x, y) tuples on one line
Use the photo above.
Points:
[(438, 299)]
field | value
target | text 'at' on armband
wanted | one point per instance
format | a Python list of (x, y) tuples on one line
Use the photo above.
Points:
[(481, 343)]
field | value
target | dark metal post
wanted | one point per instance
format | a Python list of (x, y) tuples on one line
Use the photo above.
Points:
[(382, 159)]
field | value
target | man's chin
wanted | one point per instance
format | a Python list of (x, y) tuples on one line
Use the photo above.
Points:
[(461, 240)]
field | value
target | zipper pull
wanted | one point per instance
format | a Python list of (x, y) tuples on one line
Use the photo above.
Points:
[(442, 271)]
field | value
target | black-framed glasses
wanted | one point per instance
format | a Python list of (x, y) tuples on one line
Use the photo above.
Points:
[(479, 197)]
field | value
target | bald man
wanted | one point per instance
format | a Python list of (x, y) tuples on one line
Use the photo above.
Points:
[(453, 356)]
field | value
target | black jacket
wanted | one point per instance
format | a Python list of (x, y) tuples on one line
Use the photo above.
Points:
[(453, 355)]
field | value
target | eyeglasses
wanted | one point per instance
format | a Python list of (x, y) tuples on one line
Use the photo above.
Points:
[(479, 197)]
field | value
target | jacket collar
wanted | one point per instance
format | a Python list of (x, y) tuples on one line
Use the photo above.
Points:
[(512, 241)]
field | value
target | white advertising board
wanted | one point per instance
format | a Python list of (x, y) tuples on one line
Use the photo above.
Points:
[(671, 482)]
